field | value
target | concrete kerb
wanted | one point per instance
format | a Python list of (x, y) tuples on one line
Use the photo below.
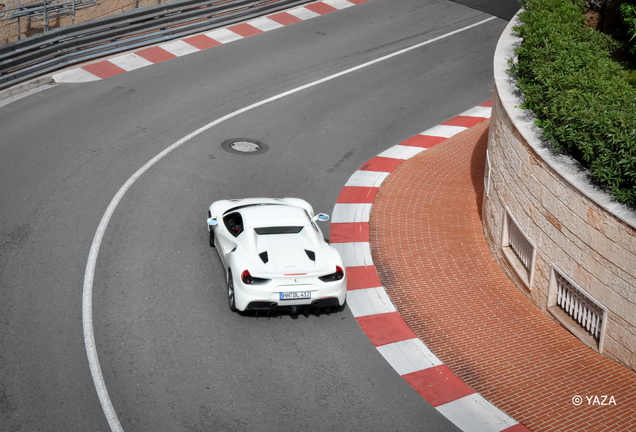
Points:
[(26, 86), (371, 305)]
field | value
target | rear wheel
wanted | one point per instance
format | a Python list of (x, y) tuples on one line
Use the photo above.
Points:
[(230, 292)]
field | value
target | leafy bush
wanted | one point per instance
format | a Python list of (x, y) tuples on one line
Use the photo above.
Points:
[(628, 18), (581, 98)]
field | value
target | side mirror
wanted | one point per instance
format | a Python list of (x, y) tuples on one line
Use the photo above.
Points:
[(212, 221), (321, 217)]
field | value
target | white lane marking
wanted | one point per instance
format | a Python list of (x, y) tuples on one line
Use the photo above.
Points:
[(87, 293), (474, 413), (408, 356), (369, 301)]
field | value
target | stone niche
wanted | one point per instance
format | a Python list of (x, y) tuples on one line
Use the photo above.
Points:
[(564, 243)]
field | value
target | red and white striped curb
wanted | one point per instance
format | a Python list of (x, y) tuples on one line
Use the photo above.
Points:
[(177, 48), (371, 305)]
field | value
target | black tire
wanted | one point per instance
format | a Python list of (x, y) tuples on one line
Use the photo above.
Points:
[(230, 292), (211, 230)]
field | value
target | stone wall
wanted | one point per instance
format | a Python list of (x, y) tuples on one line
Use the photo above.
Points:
[(576, 230), (9, 29)]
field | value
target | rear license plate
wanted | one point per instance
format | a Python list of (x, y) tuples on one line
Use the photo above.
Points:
[(295, 295)]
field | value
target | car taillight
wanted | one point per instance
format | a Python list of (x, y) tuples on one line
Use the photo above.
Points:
[(339, 274), (246, 277)]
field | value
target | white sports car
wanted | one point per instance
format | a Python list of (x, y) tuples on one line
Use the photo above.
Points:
[(275, 256)]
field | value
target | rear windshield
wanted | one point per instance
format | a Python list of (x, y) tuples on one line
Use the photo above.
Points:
[(278, 230)]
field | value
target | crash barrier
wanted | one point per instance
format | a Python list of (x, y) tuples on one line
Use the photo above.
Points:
[(45, 11), (38, 55), (561, 240)]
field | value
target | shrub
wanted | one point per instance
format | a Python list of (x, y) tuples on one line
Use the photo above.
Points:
[(581, 98), (628, 18)]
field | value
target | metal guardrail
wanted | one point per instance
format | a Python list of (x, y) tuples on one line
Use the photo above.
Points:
[(45, 11), (38, 55)]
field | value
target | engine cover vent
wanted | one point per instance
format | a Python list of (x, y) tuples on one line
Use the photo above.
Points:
[(264, 257)]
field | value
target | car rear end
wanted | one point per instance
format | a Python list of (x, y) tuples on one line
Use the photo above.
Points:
[(319, 289)]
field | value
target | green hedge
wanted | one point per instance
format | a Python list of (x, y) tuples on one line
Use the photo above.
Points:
[(581, 98)]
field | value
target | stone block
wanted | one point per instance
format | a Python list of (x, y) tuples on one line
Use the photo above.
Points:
[(562, 192), (601, 244), (630, 280), (623, 333), (622, 258), (616, 352), (595, 219), (540, 299), (582, 276), (599, 292), (583, 233), (624, 235), (576, 241), (512, 161), (533, 212), (612, 230), (554, 221), (620, 286), (541, 279), (535, 188), (578, 204), (613, 301), (551, 203)]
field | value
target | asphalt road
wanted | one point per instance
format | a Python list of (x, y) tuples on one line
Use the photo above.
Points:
[(174, 358)]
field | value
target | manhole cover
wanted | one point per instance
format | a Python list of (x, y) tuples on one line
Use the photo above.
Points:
[(244, 146)]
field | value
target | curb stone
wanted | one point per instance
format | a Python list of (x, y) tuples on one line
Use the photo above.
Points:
[(147, 56), (371, 305)]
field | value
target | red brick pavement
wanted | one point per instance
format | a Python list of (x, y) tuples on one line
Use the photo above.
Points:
[(431, 256)]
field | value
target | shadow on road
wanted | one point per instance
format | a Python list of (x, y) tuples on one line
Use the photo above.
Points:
[(301, 311), (504, 9), (478, 168)]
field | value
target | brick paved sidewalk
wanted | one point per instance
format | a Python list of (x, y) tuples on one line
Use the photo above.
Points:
[(432, 258)]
